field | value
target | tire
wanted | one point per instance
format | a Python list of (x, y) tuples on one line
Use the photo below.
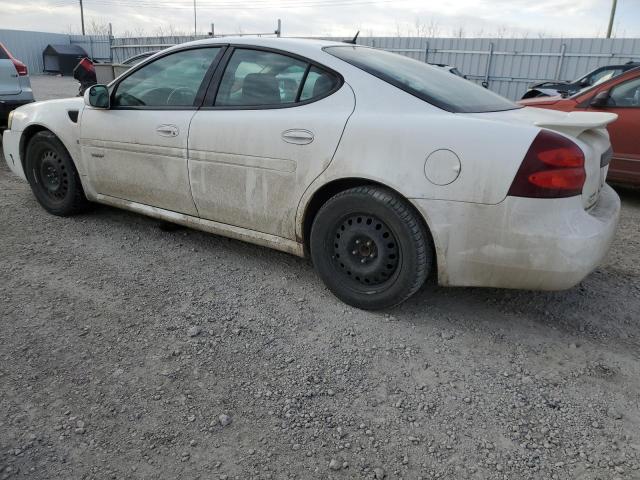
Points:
[(53, 177), (370, 247)]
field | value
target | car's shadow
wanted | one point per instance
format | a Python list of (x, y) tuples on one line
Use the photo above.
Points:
[(596, 307)]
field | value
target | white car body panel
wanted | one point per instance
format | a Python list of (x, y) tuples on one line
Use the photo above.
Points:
[(128, 155), (254, 178), (230, 172), (52, 115)]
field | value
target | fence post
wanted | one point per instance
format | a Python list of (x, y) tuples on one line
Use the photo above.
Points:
[(563, 48), (110, 43), (279, 31), (486, 74), (426, 53)]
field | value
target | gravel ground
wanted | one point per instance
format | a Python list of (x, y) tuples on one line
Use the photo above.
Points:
[(128, 351)]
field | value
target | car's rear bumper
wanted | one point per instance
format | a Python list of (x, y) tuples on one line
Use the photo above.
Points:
[(538, 244), (11, 150)]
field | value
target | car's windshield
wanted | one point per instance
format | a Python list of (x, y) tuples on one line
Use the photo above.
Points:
[(432, 84)]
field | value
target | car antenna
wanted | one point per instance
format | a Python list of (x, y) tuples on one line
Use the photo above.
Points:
[(353, 40)]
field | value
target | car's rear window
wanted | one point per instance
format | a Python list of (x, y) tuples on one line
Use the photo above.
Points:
[(432, 84), (3, 53)]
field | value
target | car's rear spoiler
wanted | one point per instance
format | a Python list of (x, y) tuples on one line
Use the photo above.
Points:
[(574, 123)]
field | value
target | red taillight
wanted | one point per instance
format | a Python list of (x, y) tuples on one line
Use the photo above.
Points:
[(552, 168), (21, 68)]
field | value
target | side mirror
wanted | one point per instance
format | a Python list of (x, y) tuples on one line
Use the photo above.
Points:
[(485, 84), (97, 96), (600, 100)]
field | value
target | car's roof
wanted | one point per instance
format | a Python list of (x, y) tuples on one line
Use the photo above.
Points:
[(295, 45)]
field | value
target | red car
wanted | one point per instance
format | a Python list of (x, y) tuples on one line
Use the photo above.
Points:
[(620, 95)]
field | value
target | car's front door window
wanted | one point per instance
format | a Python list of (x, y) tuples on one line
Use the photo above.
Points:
[(626, 94), (170, 81)]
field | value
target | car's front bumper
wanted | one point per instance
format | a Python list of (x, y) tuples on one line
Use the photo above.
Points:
[(8, 105), (11, 150), (538, 244)]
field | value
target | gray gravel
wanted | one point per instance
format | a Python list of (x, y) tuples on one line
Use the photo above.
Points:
[(131, 352)]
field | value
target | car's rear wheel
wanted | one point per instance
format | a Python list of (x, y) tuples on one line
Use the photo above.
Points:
[(53, 177), (370, 247)]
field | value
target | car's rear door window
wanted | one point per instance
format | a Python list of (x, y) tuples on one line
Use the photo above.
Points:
[(267, 79), (318, 83), (260, 78)]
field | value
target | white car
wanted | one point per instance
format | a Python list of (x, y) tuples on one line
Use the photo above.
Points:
[(384, 170)]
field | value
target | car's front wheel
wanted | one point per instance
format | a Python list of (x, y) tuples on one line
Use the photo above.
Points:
[(53, 177), (370, 247)]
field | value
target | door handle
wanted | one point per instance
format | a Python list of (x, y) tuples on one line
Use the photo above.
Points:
[(167, 130), (298, 136)]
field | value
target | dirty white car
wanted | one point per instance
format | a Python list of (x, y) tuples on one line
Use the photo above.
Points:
[(383, 169)]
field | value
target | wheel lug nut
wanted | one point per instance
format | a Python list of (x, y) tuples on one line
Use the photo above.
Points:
[(357, 242), (369, 243), (363, 260), (354, 252)]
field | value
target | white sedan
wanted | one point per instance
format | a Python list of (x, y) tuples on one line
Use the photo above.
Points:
[(383, 169)]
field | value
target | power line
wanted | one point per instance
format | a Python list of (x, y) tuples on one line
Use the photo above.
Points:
[(226, 5)]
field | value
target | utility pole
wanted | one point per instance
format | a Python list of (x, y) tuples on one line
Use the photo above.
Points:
[(195, 20), (611, 17), (82, 16)]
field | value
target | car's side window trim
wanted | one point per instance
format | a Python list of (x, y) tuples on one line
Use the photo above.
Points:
[(214, 83), (202, 89), (302, 82), (212, 91)]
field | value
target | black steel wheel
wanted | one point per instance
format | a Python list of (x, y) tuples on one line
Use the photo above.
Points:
[(370, 247), (365, 250), (52, 175)]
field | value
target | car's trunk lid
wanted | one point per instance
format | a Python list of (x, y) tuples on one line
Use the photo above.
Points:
[(587, 129)]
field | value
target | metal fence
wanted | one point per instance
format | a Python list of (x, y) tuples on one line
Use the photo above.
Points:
[(508, 66), (123, 48), (97, 46), (27, 46)]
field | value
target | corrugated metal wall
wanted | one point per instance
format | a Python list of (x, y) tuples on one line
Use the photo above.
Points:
[(97, 46), (124, 48), (27, 46), (509, 65), (514, 63)]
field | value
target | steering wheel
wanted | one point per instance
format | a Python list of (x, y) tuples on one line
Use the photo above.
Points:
[(176, 92)]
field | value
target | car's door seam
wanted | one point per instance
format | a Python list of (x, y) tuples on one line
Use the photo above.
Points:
[(333, 155)]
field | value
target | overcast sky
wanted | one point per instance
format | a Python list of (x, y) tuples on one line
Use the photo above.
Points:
[(469, 18)]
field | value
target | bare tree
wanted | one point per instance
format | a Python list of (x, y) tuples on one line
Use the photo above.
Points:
[(398, 30), (433, 29), (458, 32), (98, 27), (501, 31), (421, 28)]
